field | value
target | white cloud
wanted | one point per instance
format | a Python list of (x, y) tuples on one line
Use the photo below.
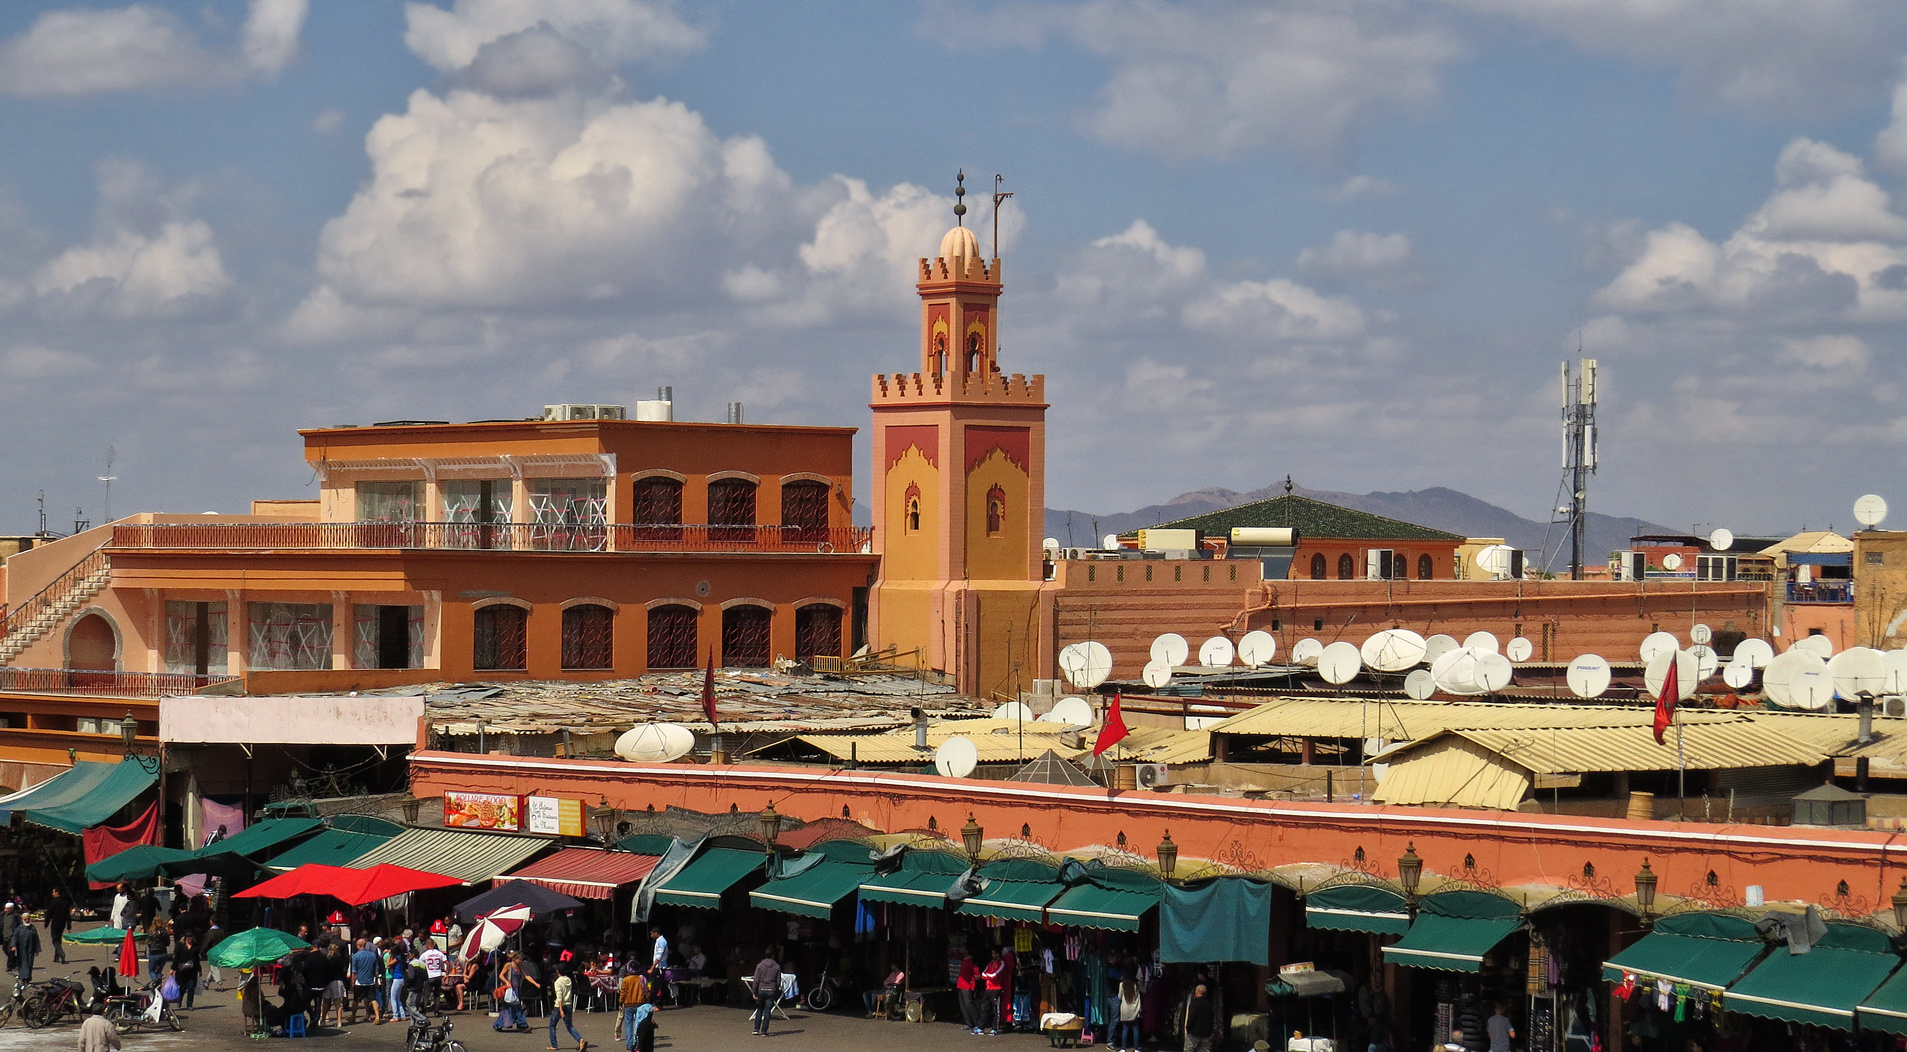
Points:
[(82, 51), (140, 275), (1361, 186), (1354, 253), (613, 31), (1890, 146), (327, 122), (1828, 353), (1276, 309)]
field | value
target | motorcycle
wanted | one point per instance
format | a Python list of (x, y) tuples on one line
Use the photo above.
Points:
[(144, 1008), (423, 1037)]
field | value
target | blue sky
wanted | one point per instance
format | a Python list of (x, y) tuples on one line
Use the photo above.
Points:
[(1349, 241)]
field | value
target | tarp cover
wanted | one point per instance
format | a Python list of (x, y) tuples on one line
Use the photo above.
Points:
[(347, 884), (86, 796), (1225, 920), (1709, 950), (541, 900), (922, 880), (261, 836), (587, 872), (1822, 986), (1358, 907), (1012, 900), (135, 863), (1454, 930), (702, 882), (812, 892)]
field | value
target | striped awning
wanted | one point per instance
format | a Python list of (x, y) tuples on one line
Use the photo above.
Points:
[(587, 872), (469, 856)]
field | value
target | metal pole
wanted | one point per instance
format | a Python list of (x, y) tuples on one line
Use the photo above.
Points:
[(1681, 775)]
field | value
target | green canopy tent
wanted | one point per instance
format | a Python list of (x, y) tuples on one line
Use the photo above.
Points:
[(88, 795), (1454, 930), (702, 882), (1822, 987), (1357, 907), (922, 880), (348, 838), (1706, 950), (1105, 898), (252, 946)]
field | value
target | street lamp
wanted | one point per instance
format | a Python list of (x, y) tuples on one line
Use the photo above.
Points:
[(1410, 869), (973, 837), (128, 730), (1900, 905), (770, 827), (1646, 881), (1168, 853), (605, 818)]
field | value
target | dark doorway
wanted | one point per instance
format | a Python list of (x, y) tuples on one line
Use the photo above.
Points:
[(393, 637)]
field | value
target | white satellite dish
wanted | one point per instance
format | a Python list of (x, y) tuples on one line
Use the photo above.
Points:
[(1518, 649), (1721, 540), (956, 757), (1306, 651), (1216, 652), (1456, 672), (1110, 542), (1858, 670), (1480, 641), (1896, 681), (1073, 712), (1393, 650), (1755, 652), (655, 743), (1419, 686), (1588, 676), (1656, 672), (1494, 672), (1257, 648), (1738, 674), (1707, 662), (1340, 663), (1013, 710), (1672, 562), (1701, 635), (1171, 648), (1494, 560), (1820, 646), (1811, 690), (1777, 679), (1156, 674), (1870, 510), (1657, 643), (1086, 665), (1437, 646)]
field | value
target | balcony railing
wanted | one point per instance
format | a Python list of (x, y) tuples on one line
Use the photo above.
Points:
[(500, 536), (114, 684), (1822, 592)]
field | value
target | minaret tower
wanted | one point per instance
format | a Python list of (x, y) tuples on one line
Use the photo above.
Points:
[(959, 483)]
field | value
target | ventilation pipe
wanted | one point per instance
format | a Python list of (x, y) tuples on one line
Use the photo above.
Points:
[(920, 729), (734, 412)]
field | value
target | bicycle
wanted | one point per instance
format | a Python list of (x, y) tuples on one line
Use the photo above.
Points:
[(822, 993), (127, 1013), (51, 1002)]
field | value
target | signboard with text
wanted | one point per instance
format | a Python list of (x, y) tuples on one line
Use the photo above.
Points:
[(483, 811), (554, 815)]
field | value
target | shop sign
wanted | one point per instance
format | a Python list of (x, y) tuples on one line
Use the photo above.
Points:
[(1297, 968), (483, 811), (553, 815)]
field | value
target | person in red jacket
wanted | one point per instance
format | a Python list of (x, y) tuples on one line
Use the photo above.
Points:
[(969, 998), (994, 976)]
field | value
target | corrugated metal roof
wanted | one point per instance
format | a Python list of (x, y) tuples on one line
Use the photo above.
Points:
[(899, 748), (1404, 720), (470, 857), (1454, 772), (1707, 747)]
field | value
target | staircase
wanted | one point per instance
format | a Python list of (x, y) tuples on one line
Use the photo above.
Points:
[(53, 605)]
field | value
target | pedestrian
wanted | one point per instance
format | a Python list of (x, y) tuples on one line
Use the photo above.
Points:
[(966, 985), (993, 979), (1379, 1033), (337, 972), (1125, 1036), (158, 948), (9, 919), (96, 1034), (25, 945), (1455, 1044), (562, 1008), (1499, 1029), (659, 951), (125, 909), (1199, 1021), (434, 961), (185, 968), (646, 1028), (632, 994), (59, 916), (364, 972), (767, 986)]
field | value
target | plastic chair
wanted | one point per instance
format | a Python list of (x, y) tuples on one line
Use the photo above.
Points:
[(295, 1025)]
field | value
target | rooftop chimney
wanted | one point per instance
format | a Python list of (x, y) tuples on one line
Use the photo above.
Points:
[(734, 412)]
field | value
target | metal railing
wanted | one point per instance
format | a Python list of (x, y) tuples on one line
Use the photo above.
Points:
[(499, 536), (1822, 592), (89, 681), (46, 598)]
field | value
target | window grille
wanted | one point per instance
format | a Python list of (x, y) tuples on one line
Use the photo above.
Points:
[(182, 637), (1346, 568), (658, 509), (804, 509), (745, 637), (500, 637), (817, 631), (570, 515), (290, 636), (1318, 570), (672, 642), (1425, 568), (732, 505), (588, 637)]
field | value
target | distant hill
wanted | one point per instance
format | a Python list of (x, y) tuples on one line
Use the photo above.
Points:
[(1438, 508)]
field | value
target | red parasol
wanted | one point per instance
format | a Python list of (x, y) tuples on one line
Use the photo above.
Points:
[(491, 929), (353, 886), (129, 957)]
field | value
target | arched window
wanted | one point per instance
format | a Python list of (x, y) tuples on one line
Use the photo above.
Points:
[(817, 631), (672, 637), (589, 637), (913, 514), (732, 507), (973, 353), (499, 639), (1400, 565), (93, 644), (1319, 568), (1346, 568), (1425, 567), (940, 354), (745, 637), (804, 510), (657, 511), (996, 511)]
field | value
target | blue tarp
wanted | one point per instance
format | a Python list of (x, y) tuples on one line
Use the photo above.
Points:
[(1226, 920), (1820, 558), (88, 795)]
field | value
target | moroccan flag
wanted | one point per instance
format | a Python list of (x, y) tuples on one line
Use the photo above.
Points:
[(708, 690), (1114, 731), (1665, 703)]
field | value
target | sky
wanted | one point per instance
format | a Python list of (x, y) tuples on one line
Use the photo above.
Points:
[(1347, 240)]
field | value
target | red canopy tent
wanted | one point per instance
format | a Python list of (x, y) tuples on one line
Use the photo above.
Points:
[(353, 886)]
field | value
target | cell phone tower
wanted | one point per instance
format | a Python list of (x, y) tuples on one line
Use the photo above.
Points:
[(1579, 451)]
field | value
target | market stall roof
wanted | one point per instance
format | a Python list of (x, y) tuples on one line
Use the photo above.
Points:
[(702, 882), (1104, 904), (588, 872), (538, 898), (86, 796), (350, 837), (353, 886), (471, 857), (1709, 950), (1454, 930), (139, 862), (1012, 900), (922, 880), (814, 891), (1886, 1008), (1821, 987), (1358, 907), (261, 836)]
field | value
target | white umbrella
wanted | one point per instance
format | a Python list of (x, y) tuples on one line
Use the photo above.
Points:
[(491, 929)]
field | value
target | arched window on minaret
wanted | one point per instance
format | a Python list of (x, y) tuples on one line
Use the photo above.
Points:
[(939, 363), (996, 511), (973, 353), (912, 515)]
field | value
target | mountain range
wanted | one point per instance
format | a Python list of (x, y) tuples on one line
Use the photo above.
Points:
[(1438, 508)]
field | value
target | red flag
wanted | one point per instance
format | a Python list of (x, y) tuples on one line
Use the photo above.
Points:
[(1114, 731), (708, 690), (1665, 702)]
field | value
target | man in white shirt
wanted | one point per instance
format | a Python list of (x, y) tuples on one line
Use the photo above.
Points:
[(660, 958), (434, 962)]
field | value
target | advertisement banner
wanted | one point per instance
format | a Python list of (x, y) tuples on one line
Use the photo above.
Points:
[(553, 815), (483, 811)]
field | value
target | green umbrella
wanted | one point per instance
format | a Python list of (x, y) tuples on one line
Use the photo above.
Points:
[(250, 947), (106, 934)]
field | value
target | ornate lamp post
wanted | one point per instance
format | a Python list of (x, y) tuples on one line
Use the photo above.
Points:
[(972, 837), (770, 828), (1410, 870), (1645, 892), (605, 818), (1168, 853), (128, 731)]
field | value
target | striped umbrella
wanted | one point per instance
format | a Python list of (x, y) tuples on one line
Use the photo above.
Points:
[(491, 929)]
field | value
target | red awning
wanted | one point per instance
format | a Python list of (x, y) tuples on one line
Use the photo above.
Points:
[(354, 886), (587, 872)]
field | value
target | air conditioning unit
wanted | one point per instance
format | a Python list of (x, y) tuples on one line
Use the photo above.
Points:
[(1380, 564), (584, 411), (1151, 775)]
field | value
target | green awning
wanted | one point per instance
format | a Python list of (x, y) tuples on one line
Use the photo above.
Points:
[(1821, 987), (909, 888), (88, 795), (1012, 900), (1886, 1008), (812, 892), (1709, 950), (1097, 906), (139, 862), (1454, 930), (261, 836), (701, 882), (333, 847), (1227, 919), (1358, 907)]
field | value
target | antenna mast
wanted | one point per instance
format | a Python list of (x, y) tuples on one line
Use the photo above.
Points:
[(109, 478), (1579, 451), (998, 198)]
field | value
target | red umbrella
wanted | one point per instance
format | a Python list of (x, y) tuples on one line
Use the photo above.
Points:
[(491, 929), (353, 886), (128, 957)]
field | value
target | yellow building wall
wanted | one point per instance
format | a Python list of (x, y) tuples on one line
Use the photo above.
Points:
[(912, 554), (998, 556)]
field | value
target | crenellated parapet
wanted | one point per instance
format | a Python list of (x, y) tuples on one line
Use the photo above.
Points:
[(959, 268), (916, 387)]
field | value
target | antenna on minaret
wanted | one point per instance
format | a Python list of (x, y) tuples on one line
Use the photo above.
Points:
[(960, 191), (998, 197)]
